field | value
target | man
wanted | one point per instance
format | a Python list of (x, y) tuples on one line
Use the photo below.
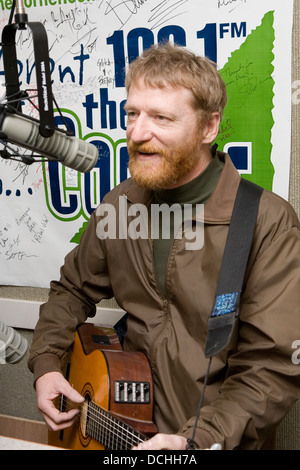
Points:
[(167, 286)]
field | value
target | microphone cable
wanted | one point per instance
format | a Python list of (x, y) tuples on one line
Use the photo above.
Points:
[(191, 442)]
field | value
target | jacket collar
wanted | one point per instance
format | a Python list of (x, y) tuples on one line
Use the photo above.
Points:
[(218, 208)]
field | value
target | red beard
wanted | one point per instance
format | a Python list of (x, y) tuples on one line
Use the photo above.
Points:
[(166, 168)]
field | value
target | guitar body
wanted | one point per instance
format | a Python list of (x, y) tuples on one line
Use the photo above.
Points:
[(118, 389)]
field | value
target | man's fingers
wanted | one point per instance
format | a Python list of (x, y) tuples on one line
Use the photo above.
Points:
[(72, 394), (50, 386), (57, 420), (69, 392), (61, 420)]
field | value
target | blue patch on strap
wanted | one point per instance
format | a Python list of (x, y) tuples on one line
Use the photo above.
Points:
[(225, 303)]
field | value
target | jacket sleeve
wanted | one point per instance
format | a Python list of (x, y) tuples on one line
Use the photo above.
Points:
[(263, 379), (84, 282)]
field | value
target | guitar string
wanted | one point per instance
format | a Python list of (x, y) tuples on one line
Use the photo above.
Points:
[(127, 437), (122, 434), (112, 423), (118, 437), (100, 417)]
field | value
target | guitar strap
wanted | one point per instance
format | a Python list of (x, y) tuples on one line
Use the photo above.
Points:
[(225, 312)]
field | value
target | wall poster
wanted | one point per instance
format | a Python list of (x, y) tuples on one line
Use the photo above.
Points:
[(44, 207)]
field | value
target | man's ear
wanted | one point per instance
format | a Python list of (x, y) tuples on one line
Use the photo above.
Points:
[(211, 128)]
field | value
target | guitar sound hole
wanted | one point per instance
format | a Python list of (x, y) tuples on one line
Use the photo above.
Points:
[(87, 392), (87, 400)]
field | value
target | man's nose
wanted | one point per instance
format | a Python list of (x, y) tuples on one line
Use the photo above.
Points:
[(140, 130)]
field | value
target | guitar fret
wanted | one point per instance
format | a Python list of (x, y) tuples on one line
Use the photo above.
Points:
[(109, 430)]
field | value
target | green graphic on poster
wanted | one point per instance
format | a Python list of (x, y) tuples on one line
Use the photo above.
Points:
[(248, 77)]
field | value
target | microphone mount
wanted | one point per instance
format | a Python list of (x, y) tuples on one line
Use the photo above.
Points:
[(40, 136), (15, 97), (40, 45)]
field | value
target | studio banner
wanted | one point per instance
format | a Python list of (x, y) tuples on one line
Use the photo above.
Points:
[(45, 206)]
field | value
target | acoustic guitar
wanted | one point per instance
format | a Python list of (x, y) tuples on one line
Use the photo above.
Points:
[(117, 386)]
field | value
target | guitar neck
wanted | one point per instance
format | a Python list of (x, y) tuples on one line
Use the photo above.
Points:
[(108, 430)]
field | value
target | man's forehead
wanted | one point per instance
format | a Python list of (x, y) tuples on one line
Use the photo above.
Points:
[(155, 83), (168, 92)]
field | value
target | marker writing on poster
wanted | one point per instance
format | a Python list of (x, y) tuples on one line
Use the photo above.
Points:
[(231, 4), (18, 237), (165, 11), (124, 10)]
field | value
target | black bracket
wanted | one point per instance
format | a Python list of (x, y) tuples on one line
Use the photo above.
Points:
[(40, 44)]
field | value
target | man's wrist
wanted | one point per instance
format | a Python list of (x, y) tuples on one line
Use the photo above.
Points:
[(44, 363)]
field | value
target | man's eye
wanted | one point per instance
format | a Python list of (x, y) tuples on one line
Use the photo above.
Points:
[(159, 117)]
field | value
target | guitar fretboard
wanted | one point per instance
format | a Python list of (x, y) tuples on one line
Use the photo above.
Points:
[(109, 431)]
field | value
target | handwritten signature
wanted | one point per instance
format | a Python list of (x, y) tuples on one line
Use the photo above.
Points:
[(164, 11), (15, 237), (11, 249), (235, 3), (245, 80), (123, 10), (76, 25)]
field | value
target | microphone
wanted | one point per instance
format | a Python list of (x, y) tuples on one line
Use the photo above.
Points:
[(13, 346), (17, 128), (24, 131)]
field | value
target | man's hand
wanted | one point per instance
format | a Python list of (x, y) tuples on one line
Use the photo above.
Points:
[(48, 387), (163, 442)]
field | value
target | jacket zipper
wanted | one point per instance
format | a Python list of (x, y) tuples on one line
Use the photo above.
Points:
[(166, 301)]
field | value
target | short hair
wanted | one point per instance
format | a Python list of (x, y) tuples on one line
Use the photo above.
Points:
[(167, 64)]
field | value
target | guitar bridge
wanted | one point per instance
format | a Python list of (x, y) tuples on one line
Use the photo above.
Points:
[(131, 392)]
